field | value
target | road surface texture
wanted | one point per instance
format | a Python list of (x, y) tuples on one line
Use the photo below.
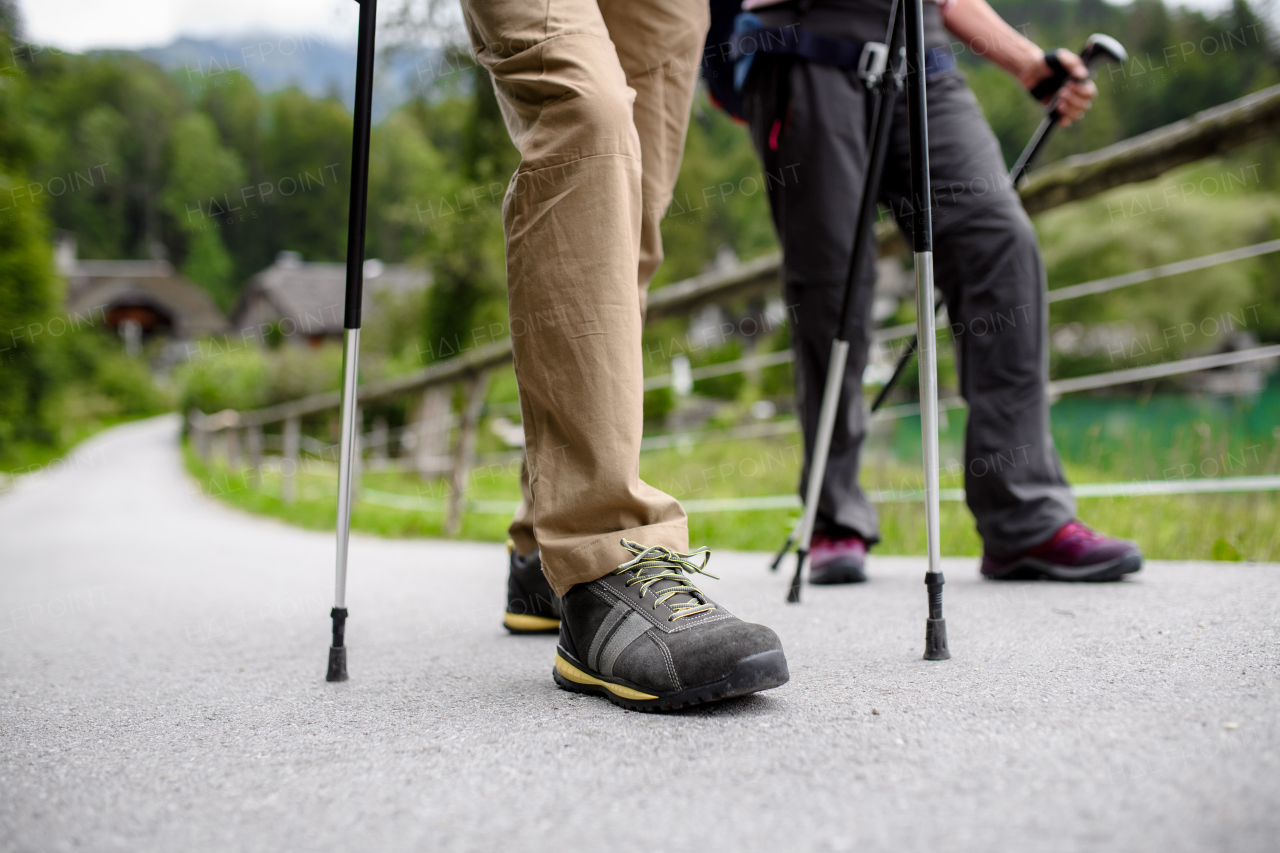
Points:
[(162, 689)]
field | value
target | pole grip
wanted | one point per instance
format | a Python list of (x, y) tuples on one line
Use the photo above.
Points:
[(360, 162), (885, 96), (917, 121)]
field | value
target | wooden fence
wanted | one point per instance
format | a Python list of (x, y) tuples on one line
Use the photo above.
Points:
[(1208, 133)]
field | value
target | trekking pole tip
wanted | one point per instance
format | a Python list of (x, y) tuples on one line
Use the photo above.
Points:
[(935, 627), (781, 555), (793, 594), (337, 664), (935, 640), (338, 650)]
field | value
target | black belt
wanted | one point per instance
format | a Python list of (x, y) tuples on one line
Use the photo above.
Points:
[(750, 37)]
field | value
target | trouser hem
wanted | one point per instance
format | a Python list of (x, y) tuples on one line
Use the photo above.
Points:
[(602, 554), (1004, 548)]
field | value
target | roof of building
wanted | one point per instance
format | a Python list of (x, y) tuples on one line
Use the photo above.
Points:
[(312, 295), (100, 286)]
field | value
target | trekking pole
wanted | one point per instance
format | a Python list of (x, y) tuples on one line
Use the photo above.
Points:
[(351, 325), (1098, 49), (886, 87), (935, 637)]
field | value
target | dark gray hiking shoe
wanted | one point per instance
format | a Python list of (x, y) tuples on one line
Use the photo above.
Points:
[(532, 608), (647, 639)]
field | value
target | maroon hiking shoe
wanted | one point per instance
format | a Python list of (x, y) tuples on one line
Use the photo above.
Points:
[(1076, 552), (837, 560)]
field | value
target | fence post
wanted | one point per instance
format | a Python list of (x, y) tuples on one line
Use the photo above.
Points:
[(464, 454), (253, 445), (199, 435), (379, 436), (232, 438), (289, 464), (431, 432)]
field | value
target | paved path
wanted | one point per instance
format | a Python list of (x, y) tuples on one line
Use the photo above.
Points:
[(161, 688)]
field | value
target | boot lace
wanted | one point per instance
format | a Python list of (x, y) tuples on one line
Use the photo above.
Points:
[(656, 563)]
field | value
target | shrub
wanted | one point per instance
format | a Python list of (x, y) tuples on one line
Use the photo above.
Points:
[(728, 386), (228, 380), (658, 403)]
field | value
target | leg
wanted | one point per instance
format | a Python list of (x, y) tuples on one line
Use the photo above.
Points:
[(634, 630), (521, 530), (814, 164), (573, 217), (532, 608), (989, 268), (659, 45), (662, 71)]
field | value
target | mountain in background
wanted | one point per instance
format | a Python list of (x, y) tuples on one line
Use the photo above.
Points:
[(319, 66)]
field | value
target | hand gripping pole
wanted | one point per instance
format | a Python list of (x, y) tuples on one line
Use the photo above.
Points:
[(1097, 50)]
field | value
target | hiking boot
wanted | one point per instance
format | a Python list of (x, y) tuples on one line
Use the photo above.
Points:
[(1076, 552), (647, 639), (835, 560), (532, 608)]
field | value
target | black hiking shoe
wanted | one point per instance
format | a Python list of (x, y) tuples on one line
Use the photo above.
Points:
[(532, 608), (645, 638)]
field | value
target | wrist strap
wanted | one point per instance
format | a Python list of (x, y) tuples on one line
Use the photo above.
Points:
[(1055, 80)]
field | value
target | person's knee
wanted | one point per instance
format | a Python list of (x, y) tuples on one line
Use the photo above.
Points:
[(994, 243), (1022, 234), (604, 113), (587, 109)]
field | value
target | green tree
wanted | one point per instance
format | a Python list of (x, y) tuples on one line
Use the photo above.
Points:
[(196, 199), (306, 174), (104, 124), (29, 295)]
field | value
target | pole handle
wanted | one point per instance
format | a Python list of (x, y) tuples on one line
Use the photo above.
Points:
[(357, 214)]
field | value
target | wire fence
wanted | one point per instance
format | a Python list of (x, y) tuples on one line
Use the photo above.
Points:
[(1075, 291)]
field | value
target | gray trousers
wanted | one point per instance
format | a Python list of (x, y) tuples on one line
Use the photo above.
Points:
[(809, 124)]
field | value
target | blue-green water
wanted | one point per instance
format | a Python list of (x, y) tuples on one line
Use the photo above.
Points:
[(1163, 436)]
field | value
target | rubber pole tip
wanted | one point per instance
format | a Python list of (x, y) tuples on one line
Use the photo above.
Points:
[(337, 664), (935, 640), (793, 594)]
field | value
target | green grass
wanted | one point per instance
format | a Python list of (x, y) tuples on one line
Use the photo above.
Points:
[(316, 505), (1179, 527)]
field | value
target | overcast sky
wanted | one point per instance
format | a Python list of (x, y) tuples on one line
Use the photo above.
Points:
[(83, 24)]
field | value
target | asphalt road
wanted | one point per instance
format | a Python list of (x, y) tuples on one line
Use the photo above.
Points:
[(162, 688)]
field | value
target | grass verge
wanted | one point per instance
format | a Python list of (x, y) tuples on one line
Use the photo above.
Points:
[(1178, 527)]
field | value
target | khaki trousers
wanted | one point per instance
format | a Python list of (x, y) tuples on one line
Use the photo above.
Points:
[(596, 95)]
